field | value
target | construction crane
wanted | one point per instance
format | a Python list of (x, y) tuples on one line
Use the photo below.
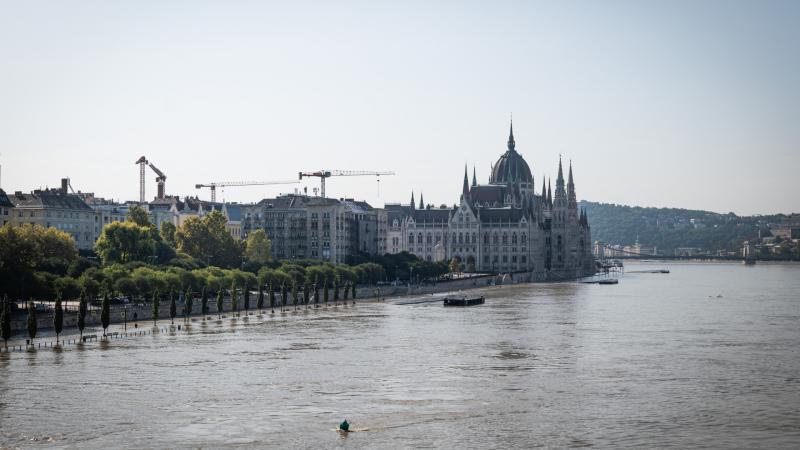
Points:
[(160, 179), (323, 174), (213, 185)]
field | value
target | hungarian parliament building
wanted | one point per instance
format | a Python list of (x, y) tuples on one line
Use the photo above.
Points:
[(502, 226)]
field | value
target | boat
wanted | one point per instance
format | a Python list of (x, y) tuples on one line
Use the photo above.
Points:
[(463, 301), (609, 281), (749, 262)]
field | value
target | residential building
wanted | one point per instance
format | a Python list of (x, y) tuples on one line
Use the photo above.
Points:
[(6, 208)]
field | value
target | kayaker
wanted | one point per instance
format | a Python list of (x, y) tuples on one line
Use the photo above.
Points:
[(344, 426)]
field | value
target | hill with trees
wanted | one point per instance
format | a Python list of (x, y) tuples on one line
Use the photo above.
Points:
[(671, 228)]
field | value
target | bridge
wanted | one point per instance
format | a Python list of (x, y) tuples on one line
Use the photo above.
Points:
[(625, 254)]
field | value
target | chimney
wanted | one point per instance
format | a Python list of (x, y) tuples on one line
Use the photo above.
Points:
[(64, 184)]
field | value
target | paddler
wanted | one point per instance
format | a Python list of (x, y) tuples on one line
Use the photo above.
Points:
[(344, 426)]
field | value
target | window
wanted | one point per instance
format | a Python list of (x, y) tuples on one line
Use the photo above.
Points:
[(524, 238), (410, 238), (485, 238), (514, 238), (505, 238)]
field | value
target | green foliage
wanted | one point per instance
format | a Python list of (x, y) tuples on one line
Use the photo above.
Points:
[(105, 313), (58, 317), (138, 216), (671, 228), (257, 246), (207, 239), (167, 233), (188, 301), (24, 247), (33, 324), (122, 242)]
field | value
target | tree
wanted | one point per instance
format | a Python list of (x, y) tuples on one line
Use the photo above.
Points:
[(294, 294), (325, 291), (168, 233), (234, 299), (58, 318), (23, 248), (173, 308), (33, 324), (246, 300), (188, 303), (204, 303), (257, 246), (284, 294), (272, 296), (207, 239), (455, 265), (105, 313), (156, 301), (260, 299), (353, 286), (336, 290), (82, 307), (139, 216), (306, 292), (220, 303), (5, 321), (123, 242)]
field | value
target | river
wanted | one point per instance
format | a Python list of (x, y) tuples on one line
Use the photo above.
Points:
[(705, 356)]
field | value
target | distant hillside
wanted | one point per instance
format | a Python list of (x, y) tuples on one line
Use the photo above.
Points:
[(670, 228)]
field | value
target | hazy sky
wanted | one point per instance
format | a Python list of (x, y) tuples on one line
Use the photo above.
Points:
[(677, 103)]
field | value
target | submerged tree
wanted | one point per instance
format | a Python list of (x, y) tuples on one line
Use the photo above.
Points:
[(188, 303), (156, 301), (284, 294), (58, 318), (234, 299), (294, 294), (5, 321), (325, 292), (33, 324), (246, 299), (82, 308), (260, 299), (204, 303), (220, 303), (272, 297), (173, 308), (306, 292), (105, 312)]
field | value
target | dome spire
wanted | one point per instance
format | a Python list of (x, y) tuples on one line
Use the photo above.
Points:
[(511, 143)]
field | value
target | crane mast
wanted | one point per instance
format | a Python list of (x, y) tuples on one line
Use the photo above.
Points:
[(161, 178), (323, 174)]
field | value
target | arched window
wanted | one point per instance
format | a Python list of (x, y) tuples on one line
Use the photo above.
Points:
[(524, 238), (419, 238), (496, 238), (460, 238), (514, 238), (485, 238), (474, 238), (505, 238), (410, 238)]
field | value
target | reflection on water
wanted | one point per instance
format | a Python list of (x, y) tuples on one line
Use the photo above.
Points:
[(704, 356)]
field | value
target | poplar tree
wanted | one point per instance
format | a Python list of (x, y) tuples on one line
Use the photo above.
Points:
[(82, 307), (156, 301), (234, 299), (272, 297), (58, 317), (188, 303), (220, 302), (105, 312), (33, 324), (5, 321), (173, 308)]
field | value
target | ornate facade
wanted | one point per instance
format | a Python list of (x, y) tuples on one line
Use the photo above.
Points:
[(502, 226)]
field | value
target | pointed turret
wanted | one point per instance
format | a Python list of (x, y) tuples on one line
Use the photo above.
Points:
[(511, 143), (421, 202), (413, 204), (544, 190), (474, 178), (560, 179), (549, 194), (571, 197), (465, 188)]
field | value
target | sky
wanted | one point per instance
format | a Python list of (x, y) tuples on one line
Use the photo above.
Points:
[(691, 104)]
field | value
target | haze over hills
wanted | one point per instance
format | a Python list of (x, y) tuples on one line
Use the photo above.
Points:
[(671, 228)]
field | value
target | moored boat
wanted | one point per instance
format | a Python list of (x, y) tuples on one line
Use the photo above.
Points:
[(463, 301)]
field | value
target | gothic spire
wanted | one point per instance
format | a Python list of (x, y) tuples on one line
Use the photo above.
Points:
[(465, 189), (511, 143), (569, 177), (549, 194), (413, 204), (571, 198), (544, 190), (560, 179), (474, 179), (421, 202)]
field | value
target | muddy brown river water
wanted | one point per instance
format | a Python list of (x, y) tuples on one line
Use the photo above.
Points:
[(706, 356)]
